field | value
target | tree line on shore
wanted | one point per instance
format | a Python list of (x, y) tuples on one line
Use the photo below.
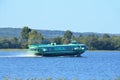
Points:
[(30, 36)]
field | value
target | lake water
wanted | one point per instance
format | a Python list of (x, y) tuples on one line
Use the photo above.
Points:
[(93, 65)]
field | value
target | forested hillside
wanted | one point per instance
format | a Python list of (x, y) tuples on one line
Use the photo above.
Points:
[(16, 32), (10, 32), (21, 38)]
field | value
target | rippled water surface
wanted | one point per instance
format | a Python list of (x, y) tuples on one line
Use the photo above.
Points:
[(96, 65)]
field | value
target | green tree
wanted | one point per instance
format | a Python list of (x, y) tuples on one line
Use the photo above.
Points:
[(92, 41), (35, 37), (25, 34), (5, 43), (107, 43), (15, 43), (116, 42), (57, 40), (68, 35), (106, 36), (81, 39)]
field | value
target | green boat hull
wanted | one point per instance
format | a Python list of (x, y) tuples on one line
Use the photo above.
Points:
[(58, 50)]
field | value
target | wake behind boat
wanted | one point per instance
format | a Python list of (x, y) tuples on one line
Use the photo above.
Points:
[(72, 49)]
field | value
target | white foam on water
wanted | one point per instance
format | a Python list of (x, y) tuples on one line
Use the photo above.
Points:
[(23, 55)]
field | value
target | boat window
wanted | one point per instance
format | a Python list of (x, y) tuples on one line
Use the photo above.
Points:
[(59, 48), (68, 48), (48, 48), (63, 48), (33, 49)]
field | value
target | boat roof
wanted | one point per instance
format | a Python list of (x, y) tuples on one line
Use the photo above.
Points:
[(49, 45)]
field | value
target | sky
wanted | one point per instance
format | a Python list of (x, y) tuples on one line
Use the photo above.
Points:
[(101, 16)]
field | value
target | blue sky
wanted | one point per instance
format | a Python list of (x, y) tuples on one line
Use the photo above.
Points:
[(102, 16)]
